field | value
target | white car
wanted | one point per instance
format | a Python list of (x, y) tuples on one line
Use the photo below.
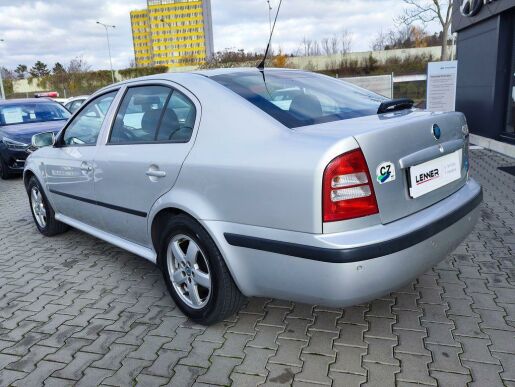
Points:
[(73, 104)]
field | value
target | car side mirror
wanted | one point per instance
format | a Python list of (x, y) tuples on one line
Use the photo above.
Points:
[(41, 140)]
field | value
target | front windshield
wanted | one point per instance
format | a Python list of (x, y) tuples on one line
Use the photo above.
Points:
[(30, 112), (297, 98)]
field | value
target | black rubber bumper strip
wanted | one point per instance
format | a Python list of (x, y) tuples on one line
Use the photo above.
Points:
[(356, 254), (100, 204)]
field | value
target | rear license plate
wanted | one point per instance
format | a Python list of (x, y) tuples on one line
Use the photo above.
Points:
[(436, 173)]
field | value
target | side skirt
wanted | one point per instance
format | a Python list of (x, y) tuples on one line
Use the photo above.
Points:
[(134, 248)]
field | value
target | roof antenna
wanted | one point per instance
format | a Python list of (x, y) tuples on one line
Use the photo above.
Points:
[(261, 65)]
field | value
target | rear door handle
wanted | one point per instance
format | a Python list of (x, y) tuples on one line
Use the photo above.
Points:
[(153, 173)]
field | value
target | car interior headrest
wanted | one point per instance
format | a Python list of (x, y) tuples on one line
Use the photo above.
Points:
[(306, 106), (169, 125)]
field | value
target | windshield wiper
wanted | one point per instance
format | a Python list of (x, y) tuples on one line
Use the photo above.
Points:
[(395, 104)]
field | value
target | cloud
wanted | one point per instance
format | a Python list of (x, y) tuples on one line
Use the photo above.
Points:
[(57, 30)]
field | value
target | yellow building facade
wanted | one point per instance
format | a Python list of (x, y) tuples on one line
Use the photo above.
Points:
[(175, 33)]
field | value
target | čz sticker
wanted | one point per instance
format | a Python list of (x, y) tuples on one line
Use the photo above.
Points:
[(385, 172)]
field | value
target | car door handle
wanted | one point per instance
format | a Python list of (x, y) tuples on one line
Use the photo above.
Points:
[(154, 173), (86, 167)]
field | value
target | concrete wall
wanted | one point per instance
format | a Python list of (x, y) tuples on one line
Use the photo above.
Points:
[(380, 84), (325, 62)]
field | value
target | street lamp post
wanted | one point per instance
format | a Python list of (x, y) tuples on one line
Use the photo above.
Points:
[(107, 26), (269, 15), (2, 92)]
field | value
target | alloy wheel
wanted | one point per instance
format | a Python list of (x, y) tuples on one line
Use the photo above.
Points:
[(189, 271), (38, 207)]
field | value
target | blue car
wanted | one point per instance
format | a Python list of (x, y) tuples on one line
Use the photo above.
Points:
[(20, 119)]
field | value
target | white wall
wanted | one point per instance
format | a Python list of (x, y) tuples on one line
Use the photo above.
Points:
[(321, 62)]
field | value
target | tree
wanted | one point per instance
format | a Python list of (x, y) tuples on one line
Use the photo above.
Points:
[(58, 69), (39, 70), (380, 41), (326, 46), (307, 44), (21, 71), (60, 77), (345, 42), (281, 60), (334, 44), (230, 57), (426, 11), (8, 77), (7, 74), (78, 65), (404, 37)]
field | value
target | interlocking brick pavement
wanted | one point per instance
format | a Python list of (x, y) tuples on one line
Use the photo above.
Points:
[(77, 311)]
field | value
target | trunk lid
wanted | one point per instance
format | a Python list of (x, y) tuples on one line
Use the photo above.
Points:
[(405, 139)]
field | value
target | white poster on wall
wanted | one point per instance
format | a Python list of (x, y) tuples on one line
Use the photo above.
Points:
[(441, 86)]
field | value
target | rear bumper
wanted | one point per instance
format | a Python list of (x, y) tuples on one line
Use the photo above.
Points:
[(359, 253), (346, 268)]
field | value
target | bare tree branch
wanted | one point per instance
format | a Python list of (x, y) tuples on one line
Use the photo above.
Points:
[(426, 11)]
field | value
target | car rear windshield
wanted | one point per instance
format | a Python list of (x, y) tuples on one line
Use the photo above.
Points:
[(29, 112), (297, 98)]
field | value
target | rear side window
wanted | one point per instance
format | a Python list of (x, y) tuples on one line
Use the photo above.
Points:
[(153, 114), (298, 99)]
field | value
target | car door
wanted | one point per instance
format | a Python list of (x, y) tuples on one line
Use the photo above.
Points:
[(142, 155), (69, 169)]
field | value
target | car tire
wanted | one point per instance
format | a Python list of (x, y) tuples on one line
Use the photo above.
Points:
[(198, 279), (4, 171), (42, 212)]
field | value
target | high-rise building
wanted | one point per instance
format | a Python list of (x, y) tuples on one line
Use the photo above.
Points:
[(174, 33)]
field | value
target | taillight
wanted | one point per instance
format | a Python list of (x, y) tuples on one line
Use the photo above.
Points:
[(347, 188)]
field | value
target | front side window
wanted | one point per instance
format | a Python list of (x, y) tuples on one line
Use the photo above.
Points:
[(298, 99), (31, 112), (86, 126), (153, 114)]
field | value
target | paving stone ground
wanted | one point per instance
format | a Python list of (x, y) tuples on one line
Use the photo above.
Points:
[(77, 311)]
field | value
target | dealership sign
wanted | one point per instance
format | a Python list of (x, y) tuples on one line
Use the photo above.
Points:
[(472, 7), (441, 87)]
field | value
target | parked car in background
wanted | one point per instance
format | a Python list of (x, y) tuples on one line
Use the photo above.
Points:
[(73, 104), (20, 119), (52, 95), (334, 196)]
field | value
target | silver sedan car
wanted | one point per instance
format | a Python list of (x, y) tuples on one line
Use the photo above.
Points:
[(274, 183)]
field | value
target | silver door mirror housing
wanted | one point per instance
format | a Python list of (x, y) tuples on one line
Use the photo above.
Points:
[(41, 140)]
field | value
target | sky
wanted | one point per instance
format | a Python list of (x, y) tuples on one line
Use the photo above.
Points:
[(60, 30)]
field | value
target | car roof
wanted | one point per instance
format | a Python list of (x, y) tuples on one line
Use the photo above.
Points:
[(184, 78), (232, 70), (179, 75), (25, 100)]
